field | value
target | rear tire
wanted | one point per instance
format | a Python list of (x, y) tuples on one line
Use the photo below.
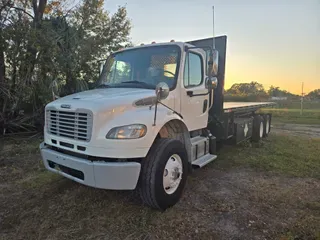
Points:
[(163, 174), (258, 128), (266, 125)]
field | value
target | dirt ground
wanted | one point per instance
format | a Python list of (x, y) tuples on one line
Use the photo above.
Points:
[(297, 129), (221, 201)]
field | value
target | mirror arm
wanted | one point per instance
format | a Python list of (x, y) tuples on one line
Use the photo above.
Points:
[(162, 91), (158, 101), (171, 109), (155, 112), (156, 108)]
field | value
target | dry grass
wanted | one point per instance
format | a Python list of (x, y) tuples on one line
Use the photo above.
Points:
[(265, 191)]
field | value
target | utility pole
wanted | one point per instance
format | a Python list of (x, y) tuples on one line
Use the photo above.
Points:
[(301, 110)]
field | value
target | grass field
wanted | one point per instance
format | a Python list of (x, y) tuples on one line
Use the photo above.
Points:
[(283, 115), (296, 104), (289, 112), (269, 190)]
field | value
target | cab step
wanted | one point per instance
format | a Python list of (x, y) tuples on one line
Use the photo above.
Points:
[(204, 160)]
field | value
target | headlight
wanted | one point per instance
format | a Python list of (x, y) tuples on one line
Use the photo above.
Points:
[(127, 132)]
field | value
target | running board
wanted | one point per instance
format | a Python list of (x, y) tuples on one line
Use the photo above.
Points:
[(204, 160)]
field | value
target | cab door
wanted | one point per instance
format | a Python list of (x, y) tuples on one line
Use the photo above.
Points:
[(194, 103)]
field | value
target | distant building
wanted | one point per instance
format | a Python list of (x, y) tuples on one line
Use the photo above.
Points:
[(279, 98)]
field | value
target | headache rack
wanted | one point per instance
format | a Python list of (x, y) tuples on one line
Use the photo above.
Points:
[(70, 124)]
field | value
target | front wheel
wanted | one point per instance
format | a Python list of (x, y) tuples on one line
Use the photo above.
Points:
[(163, 174)]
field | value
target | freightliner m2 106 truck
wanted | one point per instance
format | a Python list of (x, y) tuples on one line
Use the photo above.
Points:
[(157, 113)]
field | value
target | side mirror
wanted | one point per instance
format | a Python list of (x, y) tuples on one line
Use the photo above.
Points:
[(213, 63), (211, 83), (162, 91)]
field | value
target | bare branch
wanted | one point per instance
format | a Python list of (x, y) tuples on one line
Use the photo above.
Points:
[(22, 10)]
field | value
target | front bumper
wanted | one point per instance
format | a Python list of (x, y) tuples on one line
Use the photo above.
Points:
[(105, 175)]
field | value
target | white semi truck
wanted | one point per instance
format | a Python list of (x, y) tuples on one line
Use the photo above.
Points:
[(156, 113)]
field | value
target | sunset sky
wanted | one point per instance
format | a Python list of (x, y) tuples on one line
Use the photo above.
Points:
[(273, 42)]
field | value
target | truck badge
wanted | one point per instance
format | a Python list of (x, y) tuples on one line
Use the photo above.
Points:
[(65, 106)]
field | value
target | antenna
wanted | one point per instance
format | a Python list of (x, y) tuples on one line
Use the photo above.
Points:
[(213, 41)]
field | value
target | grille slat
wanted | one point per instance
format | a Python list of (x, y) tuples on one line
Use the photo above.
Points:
[(75, 125), (54, 128), (66, 124), (72, 118), (62, 122)]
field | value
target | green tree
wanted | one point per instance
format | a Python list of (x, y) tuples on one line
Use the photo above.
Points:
[(43, 42), (252, 88), (252, 91), (315, 94), (277, 92)]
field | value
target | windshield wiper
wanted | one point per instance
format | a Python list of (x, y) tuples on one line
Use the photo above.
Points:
[(143, 84)]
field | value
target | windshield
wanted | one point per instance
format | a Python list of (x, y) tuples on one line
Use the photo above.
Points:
[(141, 68)]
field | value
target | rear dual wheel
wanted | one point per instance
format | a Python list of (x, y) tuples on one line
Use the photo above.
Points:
[(258, 128), (261, 127), (266, 125)]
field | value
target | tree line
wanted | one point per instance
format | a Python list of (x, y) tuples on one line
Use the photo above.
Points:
[(45, 44), (255, 91)]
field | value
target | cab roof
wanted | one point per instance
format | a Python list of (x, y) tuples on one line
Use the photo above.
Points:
[(179, 44)]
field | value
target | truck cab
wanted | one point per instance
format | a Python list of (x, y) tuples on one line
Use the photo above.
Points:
[(144, 126), (183, 70)]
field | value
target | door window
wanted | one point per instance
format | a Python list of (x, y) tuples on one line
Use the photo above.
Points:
[(193, 73)]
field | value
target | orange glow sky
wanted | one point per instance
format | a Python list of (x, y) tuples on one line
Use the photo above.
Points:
[(273, 42)]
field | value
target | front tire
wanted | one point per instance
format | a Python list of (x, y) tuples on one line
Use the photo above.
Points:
[(163, 174)]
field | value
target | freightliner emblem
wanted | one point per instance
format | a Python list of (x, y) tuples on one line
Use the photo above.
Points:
[(66, 106)]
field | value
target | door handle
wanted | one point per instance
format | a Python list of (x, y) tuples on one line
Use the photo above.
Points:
[(190, 94)]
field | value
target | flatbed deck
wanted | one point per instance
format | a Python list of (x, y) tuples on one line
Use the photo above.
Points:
[(245, 106)]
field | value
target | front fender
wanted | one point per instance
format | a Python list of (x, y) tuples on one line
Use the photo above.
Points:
[(134, 116)]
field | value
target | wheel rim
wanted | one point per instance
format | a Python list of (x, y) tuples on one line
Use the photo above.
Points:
[(261, 129), (267, 126), (172, 174)]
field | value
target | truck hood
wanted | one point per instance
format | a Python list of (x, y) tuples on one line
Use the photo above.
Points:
[(109, 93), (101, 98)]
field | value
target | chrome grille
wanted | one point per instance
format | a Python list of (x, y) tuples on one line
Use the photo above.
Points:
[(75, 125)]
